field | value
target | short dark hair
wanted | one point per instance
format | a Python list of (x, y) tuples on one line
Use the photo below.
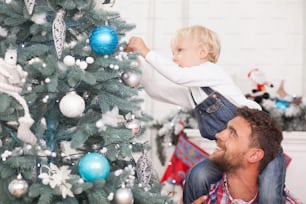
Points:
[(265, 132)]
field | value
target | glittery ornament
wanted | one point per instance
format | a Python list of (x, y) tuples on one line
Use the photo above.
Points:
[(124, 196), (59, 32), (144, 169), (18, 187)]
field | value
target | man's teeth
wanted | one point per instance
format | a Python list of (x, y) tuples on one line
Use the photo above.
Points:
[(219, 148)]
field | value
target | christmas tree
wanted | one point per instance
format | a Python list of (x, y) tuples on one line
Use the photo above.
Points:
[(70, 112)]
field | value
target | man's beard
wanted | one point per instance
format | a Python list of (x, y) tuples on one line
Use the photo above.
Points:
[(227, 163)]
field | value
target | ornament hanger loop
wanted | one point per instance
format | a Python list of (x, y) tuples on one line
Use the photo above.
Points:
[(46, 167)]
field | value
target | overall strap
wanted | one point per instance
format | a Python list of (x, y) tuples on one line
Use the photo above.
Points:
[(206, 89), (195, 103)]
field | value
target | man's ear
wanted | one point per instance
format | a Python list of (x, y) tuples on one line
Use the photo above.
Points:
[(203, 51), (256, 155)]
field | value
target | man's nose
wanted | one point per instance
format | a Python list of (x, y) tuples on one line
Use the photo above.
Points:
[(221, 135)]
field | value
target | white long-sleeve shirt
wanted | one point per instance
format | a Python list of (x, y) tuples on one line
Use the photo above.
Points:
[(177, 83)]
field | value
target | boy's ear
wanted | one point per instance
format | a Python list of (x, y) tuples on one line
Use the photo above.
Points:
[(203, 51)]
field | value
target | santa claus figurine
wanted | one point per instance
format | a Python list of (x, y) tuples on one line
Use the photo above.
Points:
[(259, 91)]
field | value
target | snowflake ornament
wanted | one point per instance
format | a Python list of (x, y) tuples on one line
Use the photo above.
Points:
[(57, 177)]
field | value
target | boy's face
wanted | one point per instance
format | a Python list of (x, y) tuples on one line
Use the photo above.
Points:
[(187, 53)]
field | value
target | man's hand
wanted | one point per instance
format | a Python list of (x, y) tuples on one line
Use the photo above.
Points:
[(138, 45), (200, 200)]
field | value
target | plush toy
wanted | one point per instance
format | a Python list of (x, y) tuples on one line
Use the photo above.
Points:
[(286, 102), (12, 78), (259, 80)]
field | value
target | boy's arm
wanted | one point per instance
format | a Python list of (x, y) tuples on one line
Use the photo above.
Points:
[(162, 89), (174, 73)]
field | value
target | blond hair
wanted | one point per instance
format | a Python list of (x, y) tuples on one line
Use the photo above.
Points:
[(203, 35)]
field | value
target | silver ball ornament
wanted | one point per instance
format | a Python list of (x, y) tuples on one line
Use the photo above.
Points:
[(18, 187), (131, 79), (124, 196)]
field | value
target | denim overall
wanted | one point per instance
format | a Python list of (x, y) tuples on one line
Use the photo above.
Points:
[(213, 113)]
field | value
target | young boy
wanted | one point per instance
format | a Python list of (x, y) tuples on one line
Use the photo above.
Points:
[(195, 52)]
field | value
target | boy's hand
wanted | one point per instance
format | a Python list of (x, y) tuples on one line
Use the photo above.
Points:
[(136, 44), (200, 200)]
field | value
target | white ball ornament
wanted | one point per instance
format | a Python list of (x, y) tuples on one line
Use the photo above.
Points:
[(47, 80), (83, 65), (124, 196), (90, 60), (110, 197), (77, 62), (72, 105), (69, 60), (116, 67)]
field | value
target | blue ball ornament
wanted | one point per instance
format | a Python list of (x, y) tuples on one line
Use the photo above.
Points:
[(93, 166), (103, 40)]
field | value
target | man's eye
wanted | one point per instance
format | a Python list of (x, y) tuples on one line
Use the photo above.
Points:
[(179, 50), (232, 132)]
